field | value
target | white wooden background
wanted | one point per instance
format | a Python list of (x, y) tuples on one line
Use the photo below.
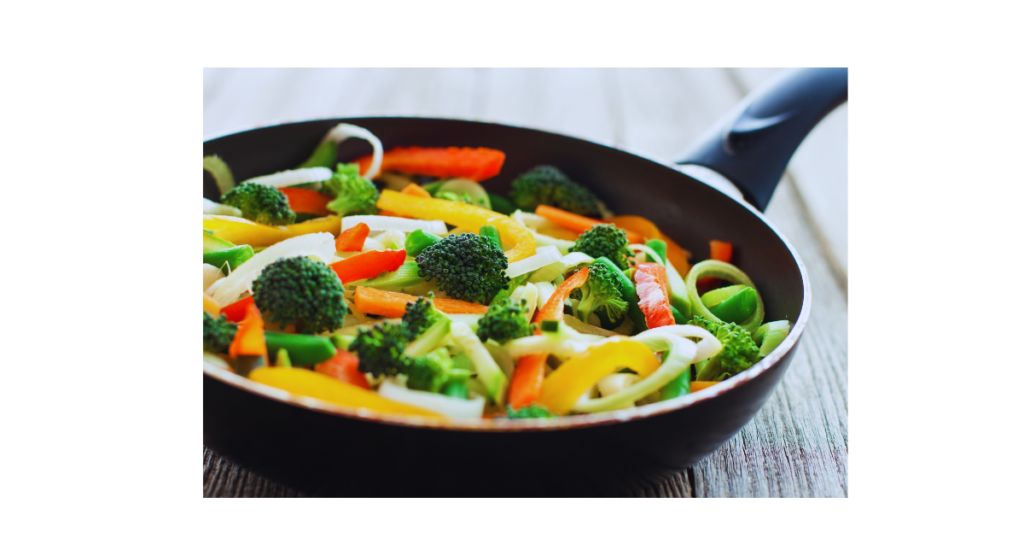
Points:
[(797, 444)]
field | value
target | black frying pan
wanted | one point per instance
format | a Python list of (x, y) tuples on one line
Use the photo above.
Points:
[(322, 450)]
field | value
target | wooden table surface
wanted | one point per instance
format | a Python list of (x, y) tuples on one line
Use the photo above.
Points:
[(796, 445)]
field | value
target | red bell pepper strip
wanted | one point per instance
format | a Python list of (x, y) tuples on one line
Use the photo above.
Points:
[(721, 251), (344, 366), (470, 163), (249, 337), (352, 239), (652, 287), (235, 311), (307, 201), (528, 377), (368, 264)]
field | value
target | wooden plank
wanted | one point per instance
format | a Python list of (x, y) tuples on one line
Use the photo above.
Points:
[(221, 478), (819, 172)]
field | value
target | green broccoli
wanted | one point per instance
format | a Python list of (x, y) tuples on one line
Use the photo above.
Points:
[(380, 349), (605, 240), (467, 267), (531, 411), (260, 203), (739, 351), (420, 315), (549, 186), (504, 321), (436, 372), (601, 293), (301, 292), (354, 195), (217, 333)]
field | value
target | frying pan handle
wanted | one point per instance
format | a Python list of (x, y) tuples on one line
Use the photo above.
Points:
[(752, 145)]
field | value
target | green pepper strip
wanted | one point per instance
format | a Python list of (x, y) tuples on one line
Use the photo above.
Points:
[(659, 247), (490, 232), (501, 204), (233, 257), (727, 271), (677, 387), (737, 307), (419, 240), (303, 349), (628, 293)]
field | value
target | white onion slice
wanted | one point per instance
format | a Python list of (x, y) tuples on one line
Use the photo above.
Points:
[(293, 177), (530, 220), (213, 208), (530, 293), (379, 223), (320, 245), (438, 403), (545, 256), (344, 131), (211, 274), (652, 256), (569, 261), (544, 292)]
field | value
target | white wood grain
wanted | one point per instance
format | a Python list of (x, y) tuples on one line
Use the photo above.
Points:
[(797, 444)]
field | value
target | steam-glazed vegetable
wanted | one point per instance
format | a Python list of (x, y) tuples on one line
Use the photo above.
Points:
[(433, 296)]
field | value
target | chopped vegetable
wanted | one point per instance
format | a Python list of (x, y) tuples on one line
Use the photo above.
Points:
[(232, 286), (438, 403), (235, 311), (470, 163), (544, 257), (213, 208), (547, 185), (368, 265), (464, 190), (464, 215), (770, 335), (701, 385), (218, 333), (221, 173), (260, 203), (721, 251), (392, 304), (246, 232), (652, 287), (413, 189), (248, 338), (353, 194), (344, 367), (307, 201), (563, 388), (504, 321), (405, 279), (601, 293), (738, 353), (300, 382), (575, 222), (379, 223), (289, 178), (303, 349), (605, 240), (728, 272), (302, 293), (466, 266), (352, 239)]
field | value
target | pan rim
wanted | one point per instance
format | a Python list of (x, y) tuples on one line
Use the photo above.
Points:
[(536, 425)]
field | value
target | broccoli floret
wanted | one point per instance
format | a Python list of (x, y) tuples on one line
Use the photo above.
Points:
[(420, 315), (601, 293), (433, 372), (530, 411), (467, 266), (605, 240), (260, 203), (301, 292), (217, 333), (380, 349), (354, 195), (549, 186), (504, 321), (739, 351)]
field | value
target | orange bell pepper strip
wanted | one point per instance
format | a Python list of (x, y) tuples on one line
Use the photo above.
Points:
[(528, 376), (721, 251), (249, 336), (652, 287), (236, 311), (368, 264), (413, 189), (307, 201), (352, 239), (246, 232), (564, 387), (680, 257), (462, 215), (344, 367), (302, 382), (578, 223), (700, 385), (470, 163), (391, 304), (210, 305)]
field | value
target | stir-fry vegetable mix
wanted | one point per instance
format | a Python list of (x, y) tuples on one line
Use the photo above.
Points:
[(398, 283)]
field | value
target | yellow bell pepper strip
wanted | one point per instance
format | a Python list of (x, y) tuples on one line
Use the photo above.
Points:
[(249, 337), (246, 232), (528, 377), (301, 382), (701, 385), (210, 305), (462, 215), (564, 387)]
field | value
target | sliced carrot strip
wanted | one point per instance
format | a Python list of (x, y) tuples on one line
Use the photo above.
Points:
[(578, 223), (392, 304), (413, 189), (352, 239)]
